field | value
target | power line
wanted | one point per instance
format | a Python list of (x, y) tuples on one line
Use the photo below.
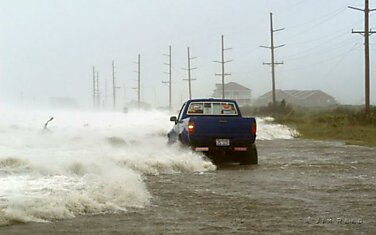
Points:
[(316, 50), (342, 57), (334, 35), (328, 60), (313, 24)]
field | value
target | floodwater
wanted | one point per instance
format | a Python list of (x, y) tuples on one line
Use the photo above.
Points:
[(114, 174)]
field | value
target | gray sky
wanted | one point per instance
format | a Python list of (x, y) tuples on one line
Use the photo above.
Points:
[(48, 47)]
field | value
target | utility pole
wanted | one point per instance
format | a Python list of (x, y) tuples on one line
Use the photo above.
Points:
[(223, 62), (105, 94), (125, 94), (94, 86), (113, 86), (189, 69), (366, 33), (169, 80), (272, 47), (98, 92), (139, 82)]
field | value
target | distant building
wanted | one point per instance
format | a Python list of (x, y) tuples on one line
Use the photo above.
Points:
[(234, 91), (304, 98), (64, 103), (133, 104)]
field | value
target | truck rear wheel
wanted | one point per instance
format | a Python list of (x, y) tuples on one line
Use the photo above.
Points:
[(250, 157), (217, 158)]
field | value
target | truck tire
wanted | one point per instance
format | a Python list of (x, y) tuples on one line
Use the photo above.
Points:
[(250, 157), (215, 157)]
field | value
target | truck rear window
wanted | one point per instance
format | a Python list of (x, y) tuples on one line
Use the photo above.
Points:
[(212, 108)]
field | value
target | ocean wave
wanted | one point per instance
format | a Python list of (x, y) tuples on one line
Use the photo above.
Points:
[(89, 162)]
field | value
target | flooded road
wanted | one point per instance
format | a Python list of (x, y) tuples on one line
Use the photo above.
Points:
[(299, 186)]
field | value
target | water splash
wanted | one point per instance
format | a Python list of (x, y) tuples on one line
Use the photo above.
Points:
[(88, 162)]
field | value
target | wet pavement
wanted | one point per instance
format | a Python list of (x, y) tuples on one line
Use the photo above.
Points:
[(299, 186)]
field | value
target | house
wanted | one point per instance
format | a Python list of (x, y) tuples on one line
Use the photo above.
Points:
[(133, 104), (64, 103), (304, 98), (234, 91)]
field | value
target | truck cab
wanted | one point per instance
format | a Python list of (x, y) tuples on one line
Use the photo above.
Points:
[(216, 128)]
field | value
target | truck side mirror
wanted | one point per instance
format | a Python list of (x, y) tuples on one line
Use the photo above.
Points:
[(173, 119)]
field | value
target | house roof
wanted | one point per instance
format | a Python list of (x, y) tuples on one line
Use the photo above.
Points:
[(297, 94), (232, 86), (135, 103)]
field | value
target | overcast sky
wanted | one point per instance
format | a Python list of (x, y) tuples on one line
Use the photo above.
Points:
[(48, 47)]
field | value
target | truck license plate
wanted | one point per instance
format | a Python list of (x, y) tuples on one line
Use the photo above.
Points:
[(222, 142)]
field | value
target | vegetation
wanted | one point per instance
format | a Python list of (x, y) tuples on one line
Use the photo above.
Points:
[(345, 123)]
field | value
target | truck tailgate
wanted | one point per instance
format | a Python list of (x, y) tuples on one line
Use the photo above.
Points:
[(222, 127)]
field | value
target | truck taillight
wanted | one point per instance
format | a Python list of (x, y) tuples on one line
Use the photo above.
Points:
[(254, 128), (191, 127)]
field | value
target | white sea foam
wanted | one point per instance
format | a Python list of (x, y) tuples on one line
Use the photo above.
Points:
[(88, 162), (267, 130), (85, 162)]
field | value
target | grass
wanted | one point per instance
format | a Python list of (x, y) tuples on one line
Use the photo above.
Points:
[(349, 124)]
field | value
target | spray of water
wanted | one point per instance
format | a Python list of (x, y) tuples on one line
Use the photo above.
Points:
[(87, 162)]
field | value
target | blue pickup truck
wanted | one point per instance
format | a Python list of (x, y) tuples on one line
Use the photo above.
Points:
[(216, 128)]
